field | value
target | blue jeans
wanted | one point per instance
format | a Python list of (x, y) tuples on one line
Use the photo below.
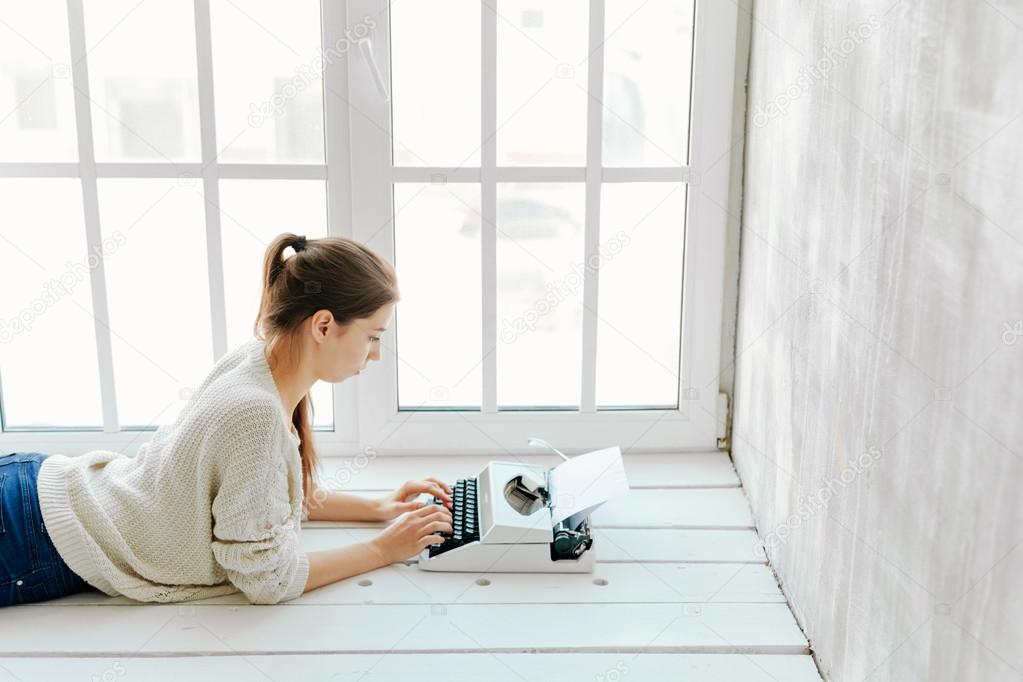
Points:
[(30, 568)]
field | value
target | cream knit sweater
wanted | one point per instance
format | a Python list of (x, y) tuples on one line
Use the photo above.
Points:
[(211, 505)]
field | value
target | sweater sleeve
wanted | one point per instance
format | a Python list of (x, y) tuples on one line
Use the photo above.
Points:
[(254, 536)]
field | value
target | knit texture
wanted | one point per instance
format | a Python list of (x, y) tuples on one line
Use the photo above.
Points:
[(211, 505)]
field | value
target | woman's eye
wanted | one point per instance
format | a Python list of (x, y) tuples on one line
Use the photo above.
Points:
[(374, 338)]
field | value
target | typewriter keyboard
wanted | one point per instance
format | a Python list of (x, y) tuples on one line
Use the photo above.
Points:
[(465, 521)]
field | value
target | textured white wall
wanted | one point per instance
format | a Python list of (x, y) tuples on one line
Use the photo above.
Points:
[(879, 379)]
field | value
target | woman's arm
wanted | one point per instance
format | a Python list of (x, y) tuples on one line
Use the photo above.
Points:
[(404, 538), (327, 566), (333, 505), (325, 504)]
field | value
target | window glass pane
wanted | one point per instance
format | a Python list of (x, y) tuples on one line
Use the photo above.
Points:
[(435, 80), (158, 293), (37, 115), (47, 335), (639, 327), (648, 59), (438, 320), (539, 293), (142, 80), (541, 82), (267, 79), (252, 213)]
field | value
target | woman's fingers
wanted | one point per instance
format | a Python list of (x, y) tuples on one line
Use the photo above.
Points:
[(430, 510), (431, 487), (437, 527), (434, 518), (437, 483), (439, 491), (428, 540), (431, 523), (442, 484)]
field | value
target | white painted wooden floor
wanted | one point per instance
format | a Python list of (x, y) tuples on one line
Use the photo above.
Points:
[(679, 592)]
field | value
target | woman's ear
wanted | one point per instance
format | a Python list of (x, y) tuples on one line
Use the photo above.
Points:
[(322, 322)]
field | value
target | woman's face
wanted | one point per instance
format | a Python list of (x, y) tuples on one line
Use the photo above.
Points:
[(348, 349)]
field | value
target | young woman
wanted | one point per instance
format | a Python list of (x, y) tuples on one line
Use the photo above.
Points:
[(212, 505)]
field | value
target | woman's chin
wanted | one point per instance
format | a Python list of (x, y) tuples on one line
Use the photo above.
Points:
[(341, 378)]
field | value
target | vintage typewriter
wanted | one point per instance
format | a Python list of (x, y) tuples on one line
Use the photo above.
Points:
[(503, 520)]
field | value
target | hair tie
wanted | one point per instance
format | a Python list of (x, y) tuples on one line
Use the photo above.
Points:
[(299, 244)]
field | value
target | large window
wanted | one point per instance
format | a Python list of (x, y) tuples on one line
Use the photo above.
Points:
[(536, 171), (149, 154)]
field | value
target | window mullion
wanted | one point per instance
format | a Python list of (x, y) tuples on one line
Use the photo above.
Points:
[(90, 205), (488, 204), (337, 157), (594, 161), (210, 177), (372, 205)]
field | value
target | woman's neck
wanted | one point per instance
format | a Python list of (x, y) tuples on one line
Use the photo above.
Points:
[(293, 381)]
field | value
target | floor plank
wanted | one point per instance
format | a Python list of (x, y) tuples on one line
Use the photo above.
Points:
[(399, 668), (663, 470), (652, 545), (200, 629), (609, 584), (720, 508), (611, 544)]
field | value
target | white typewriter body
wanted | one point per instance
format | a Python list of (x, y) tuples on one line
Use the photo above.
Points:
[(516, 532)]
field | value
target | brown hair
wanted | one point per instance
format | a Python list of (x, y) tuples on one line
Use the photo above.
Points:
[(332, 273)]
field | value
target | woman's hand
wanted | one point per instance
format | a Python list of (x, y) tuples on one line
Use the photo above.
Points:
[(412, 533), (403, 499)]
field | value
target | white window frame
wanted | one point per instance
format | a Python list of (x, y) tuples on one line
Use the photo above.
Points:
[(357, 121), (693, 426)]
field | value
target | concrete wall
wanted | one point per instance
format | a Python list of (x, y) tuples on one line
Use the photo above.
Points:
[(879, 382)]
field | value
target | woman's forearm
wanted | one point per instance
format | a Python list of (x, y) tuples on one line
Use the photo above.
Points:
[(327, 566), (333, 505)]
